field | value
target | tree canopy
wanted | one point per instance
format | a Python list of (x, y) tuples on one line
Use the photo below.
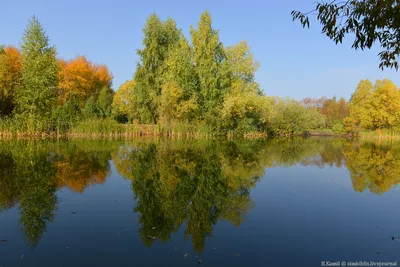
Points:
[(37, 92), (370, 21)]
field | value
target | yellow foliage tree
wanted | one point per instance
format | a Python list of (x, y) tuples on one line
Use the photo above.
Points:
[(374, 107), (122, 104), (385, 105), (173, 106)]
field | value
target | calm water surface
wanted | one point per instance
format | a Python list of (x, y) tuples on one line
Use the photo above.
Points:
[(198, 203)]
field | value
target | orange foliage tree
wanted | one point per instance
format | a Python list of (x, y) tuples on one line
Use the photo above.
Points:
[(335, 110), (79, 79), (10, 75)]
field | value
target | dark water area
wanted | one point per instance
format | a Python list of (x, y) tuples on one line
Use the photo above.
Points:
[(198, 203)]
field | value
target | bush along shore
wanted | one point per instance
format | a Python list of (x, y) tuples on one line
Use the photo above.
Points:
[(183, 86)]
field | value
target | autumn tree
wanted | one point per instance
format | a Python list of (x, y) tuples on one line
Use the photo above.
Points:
[(370, 21), (385, 105), (334, 110), (10, 77), (244, 108), (122, 106), (36, 94), (79, 79), (360, 108), (374, 106), (174, 106)]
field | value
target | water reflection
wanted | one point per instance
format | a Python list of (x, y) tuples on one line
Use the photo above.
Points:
[(199, 184), (372, 166), (175, 183)]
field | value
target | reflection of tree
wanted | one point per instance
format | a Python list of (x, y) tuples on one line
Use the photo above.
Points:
[(8, 184), (324, 152), (288, 152), (332, 154), (37, 197), (371, 166), (175, 182), (32, 171), (121, 161), (78, 170), (27, 177), (81, 164)]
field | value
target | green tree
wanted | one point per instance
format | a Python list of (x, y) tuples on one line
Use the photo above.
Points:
[(208, 57), (180, 92), (241, 62), (159, 38), (67, 114), (370, 22), (90, 110), (104, 101), (291, 118), (37, 94), (245, 111)]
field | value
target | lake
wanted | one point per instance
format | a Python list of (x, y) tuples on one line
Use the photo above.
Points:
[(275, 202)]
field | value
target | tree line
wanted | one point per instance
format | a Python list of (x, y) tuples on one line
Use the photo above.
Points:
[(37, 89), (178, 81)]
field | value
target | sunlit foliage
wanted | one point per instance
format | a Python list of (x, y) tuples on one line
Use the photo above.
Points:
[(10, 78), (79, 79)]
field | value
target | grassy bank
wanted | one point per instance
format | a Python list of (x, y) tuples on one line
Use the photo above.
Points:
[(381, 134), (104, 128)]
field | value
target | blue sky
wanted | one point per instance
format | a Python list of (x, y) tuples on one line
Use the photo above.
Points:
[(295, 62)]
